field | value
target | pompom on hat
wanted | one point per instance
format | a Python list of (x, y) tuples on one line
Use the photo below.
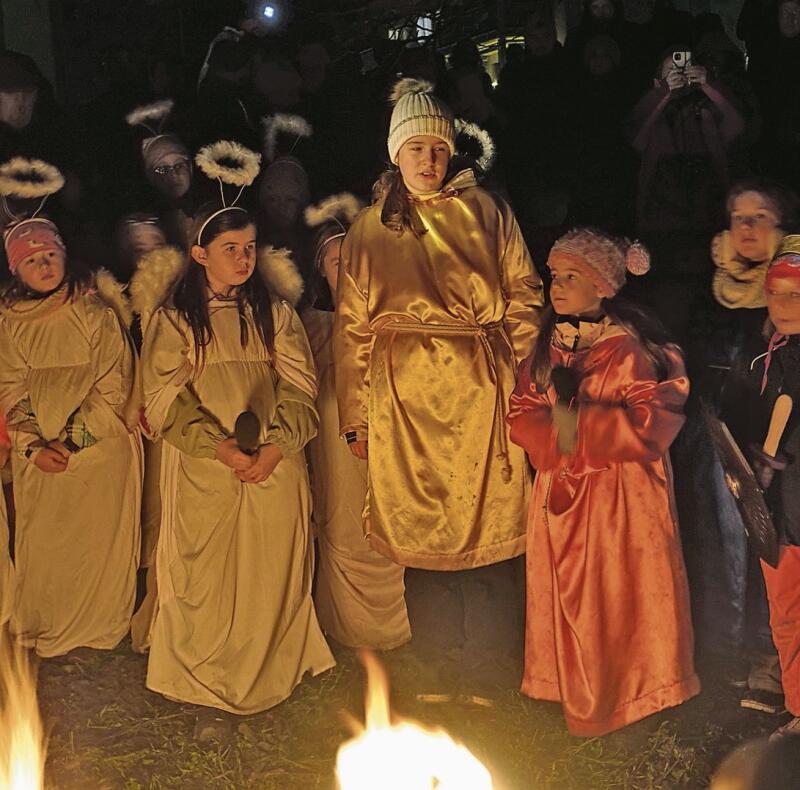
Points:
[(418, 112), (603, 258)]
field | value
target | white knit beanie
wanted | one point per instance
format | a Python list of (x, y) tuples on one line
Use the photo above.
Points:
[(418, 112)]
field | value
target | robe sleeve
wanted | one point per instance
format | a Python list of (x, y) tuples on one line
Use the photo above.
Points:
[(352, 342), (191, 429), (23, 428), (296, 419), (522, 287), (113, 361), (531, 421), (645, 424), (167, 367)]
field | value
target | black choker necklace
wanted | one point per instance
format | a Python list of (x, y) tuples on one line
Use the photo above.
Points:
[(577, 320)]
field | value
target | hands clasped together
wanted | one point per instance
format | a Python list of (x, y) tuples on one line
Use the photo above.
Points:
[(249, 468)]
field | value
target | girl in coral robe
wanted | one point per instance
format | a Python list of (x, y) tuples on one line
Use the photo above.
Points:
[(596, 407), (66, 385), (235, 627)]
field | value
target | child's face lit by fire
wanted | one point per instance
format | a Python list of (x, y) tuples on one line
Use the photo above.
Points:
[(423, 162), (331, 258), (43, 271), (229, 259), (783, 303), (572, 292), (753, 226)]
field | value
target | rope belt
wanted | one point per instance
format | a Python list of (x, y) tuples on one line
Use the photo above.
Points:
[(482, 331)]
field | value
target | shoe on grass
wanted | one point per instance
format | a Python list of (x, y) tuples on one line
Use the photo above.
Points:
[(213, 725), (763, 701), (789, 730)]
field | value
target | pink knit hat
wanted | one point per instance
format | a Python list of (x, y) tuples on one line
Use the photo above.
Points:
[(604, 259)]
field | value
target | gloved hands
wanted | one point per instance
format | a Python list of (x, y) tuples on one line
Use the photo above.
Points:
[(765, 465), (565, 418)]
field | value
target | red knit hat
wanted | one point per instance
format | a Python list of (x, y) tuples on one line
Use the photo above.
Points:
[(28, 237), (604, 259), (786, 261)]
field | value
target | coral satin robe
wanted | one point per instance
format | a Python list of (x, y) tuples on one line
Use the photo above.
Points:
[(608, 631)]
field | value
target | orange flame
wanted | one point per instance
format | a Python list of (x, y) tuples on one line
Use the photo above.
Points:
[(398, 754), (22, 743)]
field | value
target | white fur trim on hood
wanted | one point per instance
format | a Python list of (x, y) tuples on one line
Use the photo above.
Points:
[(156, 274), (280, 274), (112, 293)]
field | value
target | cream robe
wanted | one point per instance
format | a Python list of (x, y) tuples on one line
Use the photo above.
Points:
[(428, 334), (6, 568), (77, 532), (360, 594), (235, 626)]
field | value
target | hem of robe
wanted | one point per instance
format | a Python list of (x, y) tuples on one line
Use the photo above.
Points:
[(366, 644), (629, 712), (476, 558), (219, 704), (34, 643)]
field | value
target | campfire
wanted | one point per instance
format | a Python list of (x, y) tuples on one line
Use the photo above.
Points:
[(398, 754), (22, 745)]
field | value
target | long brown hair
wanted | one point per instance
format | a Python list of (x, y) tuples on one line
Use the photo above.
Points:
[(191, 294), (398, 212), (637, 322)]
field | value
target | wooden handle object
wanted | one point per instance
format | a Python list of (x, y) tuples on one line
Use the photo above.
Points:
[(777, 424)]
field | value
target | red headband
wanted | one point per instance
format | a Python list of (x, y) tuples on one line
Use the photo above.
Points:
[(785, 267), (29, 237)]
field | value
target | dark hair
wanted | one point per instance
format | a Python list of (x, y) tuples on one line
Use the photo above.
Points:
[(398, 212), (191, 297), (783, 199), (638, 323)]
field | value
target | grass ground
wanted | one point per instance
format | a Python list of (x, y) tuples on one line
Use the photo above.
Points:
[(108, 731)]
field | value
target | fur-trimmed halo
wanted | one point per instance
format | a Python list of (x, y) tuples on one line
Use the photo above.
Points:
[(283, 123), (484, 140), (29, 178), (342, 208), (230, 162), (154, 113)]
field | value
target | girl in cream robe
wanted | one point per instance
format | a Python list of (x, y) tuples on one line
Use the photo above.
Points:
[(66, 374), (235, 627), (359, 594), (6, 568)]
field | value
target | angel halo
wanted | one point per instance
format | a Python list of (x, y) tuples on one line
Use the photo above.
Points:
[(231, 163)]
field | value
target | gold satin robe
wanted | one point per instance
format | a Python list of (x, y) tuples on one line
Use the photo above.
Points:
[(235, 626), (359, 596), (77, 532), (427, 337)]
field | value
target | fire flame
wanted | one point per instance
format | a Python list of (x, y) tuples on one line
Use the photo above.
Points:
[(22, 743), (400, 754)]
